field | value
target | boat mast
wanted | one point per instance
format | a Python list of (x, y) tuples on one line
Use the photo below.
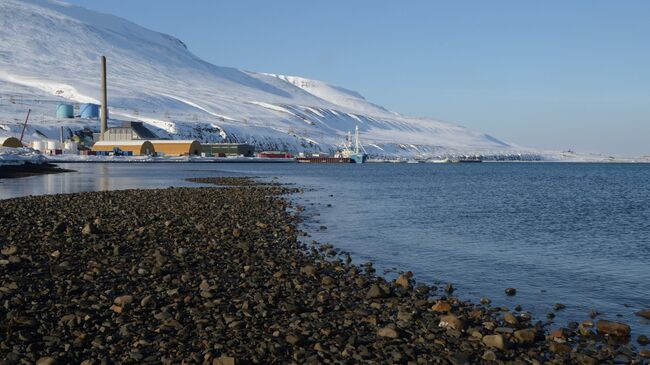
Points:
[(356, 139)]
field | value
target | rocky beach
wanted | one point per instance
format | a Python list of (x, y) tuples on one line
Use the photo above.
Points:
[(212, 275)]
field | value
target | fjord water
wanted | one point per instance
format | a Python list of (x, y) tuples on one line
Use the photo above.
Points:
[(576, 234)]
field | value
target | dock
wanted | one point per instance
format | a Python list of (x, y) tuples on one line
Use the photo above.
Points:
[(324, 159)]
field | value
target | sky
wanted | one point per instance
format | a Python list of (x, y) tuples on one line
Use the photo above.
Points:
[(550, 74)]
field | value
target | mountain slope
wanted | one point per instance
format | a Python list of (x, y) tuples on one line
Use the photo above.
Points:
[(50, 53)]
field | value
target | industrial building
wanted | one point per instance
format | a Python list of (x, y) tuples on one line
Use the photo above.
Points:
[(10, 142), (129, 131), (175, 147), (136, 147), (228, 149)]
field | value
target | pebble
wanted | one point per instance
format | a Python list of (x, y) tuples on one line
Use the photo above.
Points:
[(388, 331), (8, 251), (123, 300), (496, 341), (45, 361)]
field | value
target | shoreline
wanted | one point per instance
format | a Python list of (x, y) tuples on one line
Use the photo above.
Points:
[(200, 273)]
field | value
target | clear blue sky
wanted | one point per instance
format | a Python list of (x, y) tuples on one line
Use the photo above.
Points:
[(551, 74)]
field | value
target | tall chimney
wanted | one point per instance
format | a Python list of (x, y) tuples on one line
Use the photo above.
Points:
[(104, 112)]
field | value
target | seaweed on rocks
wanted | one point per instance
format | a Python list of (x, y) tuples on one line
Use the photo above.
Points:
[(208, 275)]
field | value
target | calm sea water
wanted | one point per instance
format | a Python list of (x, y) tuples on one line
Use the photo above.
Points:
[(576, 234)]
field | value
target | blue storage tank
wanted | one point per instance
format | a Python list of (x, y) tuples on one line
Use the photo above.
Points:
[(65, 111), (89, 110)]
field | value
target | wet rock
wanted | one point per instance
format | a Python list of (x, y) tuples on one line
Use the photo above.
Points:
[(441, 306), (558, 306), (525, 336), (643, 340), (449, 289), (584, 328), (403, 282), (558, 335), (451, 321), (615, 329), (374, 292), (510, 318), (511, 291), (644, 313)]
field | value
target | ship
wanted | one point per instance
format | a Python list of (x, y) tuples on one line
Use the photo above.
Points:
[(356, 153)]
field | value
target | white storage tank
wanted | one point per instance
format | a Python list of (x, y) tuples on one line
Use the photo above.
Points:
[(70, 146), (52, 145), (39, 145)]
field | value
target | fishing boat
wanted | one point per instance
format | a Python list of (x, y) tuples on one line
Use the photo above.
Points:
[(356, 153)]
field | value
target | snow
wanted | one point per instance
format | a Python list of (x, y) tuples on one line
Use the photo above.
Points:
[(19, 156), (50, 53)]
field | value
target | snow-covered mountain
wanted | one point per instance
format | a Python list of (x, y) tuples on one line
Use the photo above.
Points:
[(50, 50)]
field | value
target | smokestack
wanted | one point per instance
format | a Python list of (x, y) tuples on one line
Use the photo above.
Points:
[(104, 111)]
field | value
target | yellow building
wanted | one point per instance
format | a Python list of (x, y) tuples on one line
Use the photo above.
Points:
[(10, 142), (172, 147), (137, 147)]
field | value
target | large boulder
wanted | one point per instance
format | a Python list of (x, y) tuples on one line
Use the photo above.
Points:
[(613, 328)]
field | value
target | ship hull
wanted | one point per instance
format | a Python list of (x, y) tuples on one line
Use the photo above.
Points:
[(358, 157)]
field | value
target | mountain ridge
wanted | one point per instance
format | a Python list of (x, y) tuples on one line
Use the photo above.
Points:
[(52, 56)]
